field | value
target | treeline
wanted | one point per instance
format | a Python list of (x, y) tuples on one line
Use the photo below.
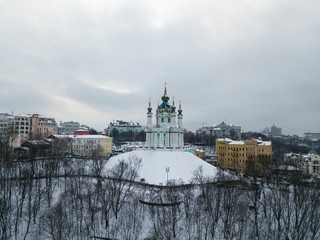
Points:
[(82, 205), (127, 136), (199, 138)]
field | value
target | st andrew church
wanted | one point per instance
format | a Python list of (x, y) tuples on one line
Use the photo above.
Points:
[(167, 132)]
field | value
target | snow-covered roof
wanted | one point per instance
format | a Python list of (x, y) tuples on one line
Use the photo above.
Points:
[(224, 139), (23, 115), (81, 136), (225, 124), (62, 136), (289, 168), (265, 143), (232, 142), (38, 142), (199, 150), (236, 143), (154, 163), (90, 136), (82, 130)]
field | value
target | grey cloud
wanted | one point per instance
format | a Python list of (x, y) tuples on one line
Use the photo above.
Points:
[(253, 63)]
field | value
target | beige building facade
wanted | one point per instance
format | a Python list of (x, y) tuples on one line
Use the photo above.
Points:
[(84, 145), (310, 164)]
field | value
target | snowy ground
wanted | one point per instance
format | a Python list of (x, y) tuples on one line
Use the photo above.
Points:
[(182, 165)]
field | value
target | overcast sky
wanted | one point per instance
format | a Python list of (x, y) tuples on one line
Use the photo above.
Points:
[(253, 63)]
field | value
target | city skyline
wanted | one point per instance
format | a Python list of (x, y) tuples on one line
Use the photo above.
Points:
[(253, 64)]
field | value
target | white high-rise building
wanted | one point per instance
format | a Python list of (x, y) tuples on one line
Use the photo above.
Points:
[(167, 132)]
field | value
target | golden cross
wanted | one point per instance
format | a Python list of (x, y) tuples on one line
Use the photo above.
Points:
[(165, 88)]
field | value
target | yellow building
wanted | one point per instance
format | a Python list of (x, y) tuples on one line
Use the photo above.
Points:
[(200, 154), (249, 156)]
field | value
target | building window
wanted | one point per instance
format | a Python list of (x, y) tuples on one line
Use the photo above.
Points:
[(168, 119), (162, 119)]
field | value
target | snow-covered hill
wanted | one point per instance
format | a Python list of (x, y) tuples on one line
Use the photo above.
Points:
[(182, 165)]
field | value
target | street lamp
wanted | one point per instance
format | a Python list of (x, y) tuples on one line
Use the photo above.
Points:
[(167, 171)]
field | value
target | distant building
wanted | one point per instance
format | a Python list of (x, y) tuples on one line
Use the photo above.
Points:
[(42, 126), (123, 126), (249, 156), (38, 147), (212, 158), (200, 154), (68, 127), (6, 127), (310, 163), (222, 130), (6, 121), (81, 132), (84, 145), (292, 158), (275, 131), (265, 131), (27, 126), (21, 129), (312, 136)]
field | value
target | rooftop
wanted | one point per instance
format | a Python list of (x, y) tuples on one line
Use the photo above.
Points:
[(242, 142)]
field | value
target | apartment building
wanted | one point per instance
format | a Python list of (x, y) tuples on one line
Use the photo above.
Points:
[(42, 126), (249, 156), (21, 129)]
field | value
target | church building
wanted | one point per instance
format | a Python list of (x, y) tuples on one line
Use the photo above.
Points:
[(164, 158), (167, 132)]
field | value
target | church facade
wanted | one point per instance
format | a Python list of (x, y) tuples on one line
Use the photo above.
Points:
[(167, 132)]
